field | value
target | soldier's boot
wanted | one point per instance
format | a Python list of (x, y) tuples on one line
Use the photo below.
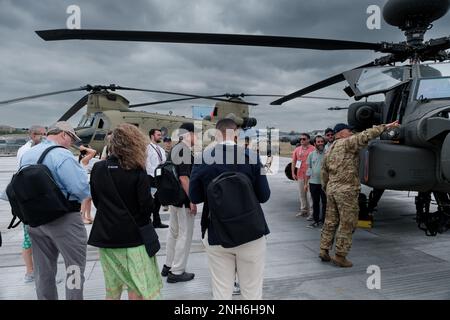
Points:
[(341, 261), (324, 256)]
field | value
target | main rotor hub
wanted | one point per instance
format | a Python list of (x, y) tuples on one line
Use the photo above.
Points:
[(414, 17)]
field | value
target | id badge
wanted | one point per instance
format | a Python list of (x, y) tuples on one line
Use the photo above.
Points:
[(158, 172), (298, 164)]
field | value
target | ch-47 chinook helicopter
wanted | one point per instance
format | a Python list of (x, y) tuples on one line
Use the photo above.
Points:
[(106, 109), (414, 157)]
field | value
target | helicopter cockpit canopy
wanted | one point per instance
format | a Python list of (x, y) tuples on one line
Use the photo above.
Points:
[(368, 81), (434, 82), (433, 88), (86, 121)]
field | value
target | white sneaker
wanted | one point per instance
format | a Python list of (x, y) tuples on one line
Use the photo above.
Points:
[(310, 218), (29, 277), (236, 289)]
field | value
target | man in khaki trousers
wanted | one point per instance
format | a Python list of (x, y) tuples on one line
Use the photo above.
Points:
[(247, 259)]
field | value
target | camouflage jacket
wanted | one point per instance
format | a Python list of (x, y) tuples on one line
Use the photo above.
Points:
[(340, 167)]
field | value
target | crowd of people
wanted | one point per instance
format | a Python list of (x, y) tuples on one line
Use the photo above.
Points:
[(123, 187)]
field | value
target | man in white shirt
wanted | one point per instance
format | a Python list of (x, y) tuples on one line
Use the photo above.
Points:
[(155, 156), (36, 134)]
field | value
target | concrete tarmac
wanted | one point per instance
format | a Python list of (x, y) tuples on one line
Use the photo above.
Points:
[(411, 265)]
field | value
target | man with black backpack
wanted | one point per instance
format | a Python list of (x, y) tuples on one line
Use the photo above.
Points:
[(231, 183), (182, 210), (64, 234)]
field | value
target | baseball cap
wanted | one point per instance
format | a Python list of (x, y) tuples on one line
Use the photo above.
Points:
[(66, 127), (340, 127)]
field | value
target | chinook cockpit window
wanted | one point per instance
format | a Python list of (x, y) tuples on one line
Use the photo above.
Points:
[(86, 121)]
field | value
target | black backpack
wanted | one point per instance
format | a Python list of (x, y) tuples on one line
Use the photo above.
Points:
[(235, 212), (35, 197), (170, 191)]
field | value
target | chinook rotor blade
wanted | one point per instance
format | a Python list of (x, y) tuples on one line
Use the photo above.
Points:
[(209, 38), (159, 102), (41, 95), (75, 108), (182, 99), (185, 95)]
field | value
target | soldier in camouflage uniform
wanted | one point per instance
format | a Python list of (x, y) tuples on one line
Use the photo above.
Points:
[(340, 181)]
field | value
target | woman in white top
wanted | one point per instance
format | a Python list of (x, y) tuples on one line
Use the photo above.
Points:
[(86, 154)]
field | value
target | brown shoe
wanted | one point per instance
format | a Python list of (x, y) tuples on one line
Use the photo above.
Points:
[(341, 261), (324, 256)]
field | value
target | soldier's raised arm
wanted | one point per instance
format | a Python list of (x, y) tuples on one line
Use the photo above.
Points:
[(360, 140)]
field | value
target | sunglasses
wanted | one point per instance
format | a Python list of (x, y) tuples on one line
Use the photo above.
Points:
[(71, 136), (303, 138)]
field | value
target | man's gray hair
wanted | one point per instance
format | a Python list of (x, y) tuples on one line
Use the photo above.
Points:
[(35, 128)]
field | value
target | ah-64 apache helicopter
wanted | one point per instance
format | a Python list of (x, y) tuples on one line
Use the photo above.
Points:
[(414, 157)]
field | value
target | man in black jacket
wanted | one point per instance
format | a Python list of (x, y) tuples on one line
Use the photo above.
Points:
[(247, 259), (182, 215)]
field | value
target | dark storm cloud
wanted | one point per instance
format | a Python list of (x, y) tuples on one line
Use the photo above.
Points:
[(30, 65)]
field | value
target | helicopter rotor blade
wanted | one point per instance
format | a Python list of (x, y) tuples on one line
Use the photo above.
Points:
[(303, 97), (159, 102), (75, 108), (316, 86), (182, 99), (210, 38), (41, 95), (185, 95)]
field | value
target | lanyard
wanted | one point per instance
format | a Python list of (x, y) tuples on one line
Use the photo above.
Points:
[(157, 151)]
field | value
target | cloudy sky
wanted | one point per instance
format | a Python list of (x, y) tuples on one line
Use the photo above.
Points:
[(29, 65)]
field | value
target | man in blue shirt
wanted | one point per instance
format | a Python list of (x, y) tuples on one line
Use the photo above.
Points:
[(313, 181), (66, 235), (248, 259)]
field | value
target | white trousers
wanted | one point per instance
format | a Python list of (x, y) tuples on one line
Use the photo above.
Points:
[(179, 238), (247, 260), (305, 198)]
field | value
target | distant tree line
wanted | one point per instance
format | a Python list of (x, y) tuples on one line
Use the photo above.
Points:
[(6, 130)]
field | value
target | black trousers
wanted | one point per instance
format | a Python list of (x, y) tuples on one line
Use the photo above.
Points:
[(156, 204), (317, 194)]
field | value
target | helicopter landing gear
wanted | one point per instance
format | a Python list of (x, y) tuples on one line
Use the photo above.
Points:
[(374, 198), (433, 222)]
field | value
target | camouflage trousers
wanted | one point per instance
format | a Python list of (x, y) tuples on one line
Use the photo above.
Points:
[(340, 221)]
